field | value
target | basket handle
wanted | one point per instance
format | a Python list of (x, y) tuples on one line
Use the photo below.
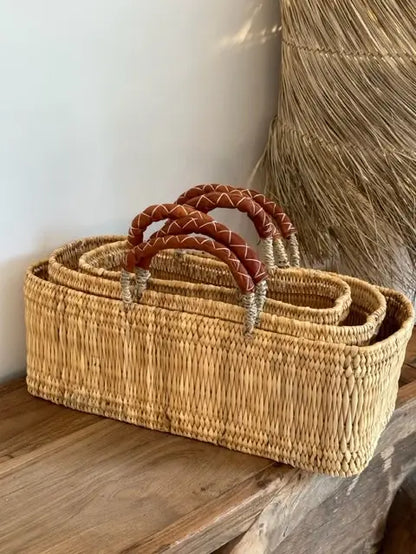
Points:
[(281, 219), (154, 213), (238, 200), (274, 210), (205, 225), (142, 254)]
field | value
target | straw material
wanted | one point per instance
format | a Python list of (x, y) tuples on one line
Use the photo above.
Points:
[(341, 155), (303, 294), (308, 291), (182, 364), (313, 384)]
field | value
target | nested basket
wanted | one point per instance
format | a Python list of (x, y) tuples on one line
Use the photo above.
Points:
[(303, 294), (313, 295), (178, 273), (103, 282), (183, 364), (306, 295), (308, 290), (178, 358)]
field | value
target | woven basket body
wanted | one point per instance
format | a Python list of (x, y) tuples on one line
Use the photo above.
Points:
[(307, 290), (181, 364)]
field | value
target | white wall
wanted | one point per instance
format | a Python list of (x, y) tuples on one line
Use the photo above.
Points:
[(107, 106)]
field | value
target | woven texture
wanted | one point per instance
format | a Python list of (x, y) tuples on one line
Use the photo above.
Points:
[(341, 154), (300, 294), (306, 375), (296, 293), (182, 364)]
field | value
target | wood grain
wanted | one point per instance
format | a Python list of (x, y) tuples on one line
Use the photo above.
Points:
[(338, 515), (28, 423), (408, 374), (400, 535), (411, 352), (76, 483), (105, 486)]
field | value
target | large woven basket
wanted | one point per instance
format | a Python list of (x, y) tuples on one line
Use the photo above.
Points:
[(182, 364), (180, 360)]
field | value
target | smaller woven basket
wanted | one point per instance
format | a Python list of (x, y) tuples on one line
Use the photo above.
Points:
[(305, 295), (365, 316), (299, 294)]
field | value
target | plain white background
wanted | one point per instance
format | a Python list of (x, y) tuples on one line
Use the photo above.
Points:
[(107, 106)]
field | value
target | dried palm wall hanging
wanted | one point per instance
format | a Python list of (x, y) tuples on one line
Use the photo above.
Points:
[(341, 155)]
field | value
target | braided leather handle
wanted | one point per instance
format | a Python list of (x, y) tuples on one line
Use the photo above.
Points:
[(205, 225), (156, 212), (274, 210), (237, 199), (144, 252)]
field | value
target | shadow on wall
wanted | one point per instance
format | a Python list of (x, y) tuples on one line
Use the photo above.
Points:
[(12, 329), (259, 25)]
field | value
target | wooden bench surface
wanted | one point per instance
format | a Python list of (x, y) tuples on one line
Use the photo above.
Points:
[(73, 483)]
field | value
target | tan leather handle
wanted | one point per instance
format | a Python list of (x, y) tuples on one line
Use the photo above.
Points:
[(144, 252), (156, 212), (237, 200), (274, 210), (205, 225)]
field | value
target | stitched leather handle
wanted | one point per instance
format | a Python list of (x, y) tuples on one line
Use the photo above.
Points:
[(144, 252), (271, 208), (247, 270), (204, 224), (154, 213), (240, 201), (158, 212)]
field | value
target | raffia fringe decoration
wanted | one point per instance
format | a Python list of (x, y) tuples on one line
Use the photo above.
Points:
[(341, 155)]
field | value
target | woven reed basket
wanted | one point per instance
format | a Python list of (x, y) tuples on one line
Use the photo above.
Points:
[(179, 359), (298, 294)]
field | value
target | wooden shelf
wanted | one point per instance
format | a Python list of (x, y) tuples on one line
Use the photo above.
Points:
[(77, 483)]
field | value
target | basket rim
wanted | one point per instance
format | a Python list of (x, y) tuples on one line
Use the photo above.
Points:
[(341, 289), (268, 325)]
